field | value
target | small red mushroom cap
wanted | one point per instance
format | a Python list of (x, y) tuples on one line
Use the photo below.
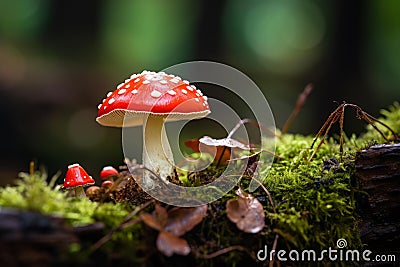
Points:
[(107, 172), (77, 176), (107, 184), (152, 93)]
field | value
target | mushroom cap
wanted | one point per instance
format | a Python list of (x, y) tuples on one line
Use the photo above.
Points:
[(152, 94), (77, 176), (108, 171)]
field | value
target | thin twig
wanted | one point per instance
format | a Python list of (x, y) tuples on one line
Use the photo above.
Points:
[(223, 251), (338, 114), (266, 192), (262, 186), (301, 100), (274, 245), (122, 225)]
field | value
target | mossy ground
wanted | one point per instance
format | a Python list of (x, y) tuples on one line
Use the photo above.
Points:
[(315, 206)]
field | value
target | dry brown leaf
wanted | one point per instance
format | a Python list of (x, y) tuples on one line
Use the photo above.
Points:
[(247, 212), (150, 221), (160, 214), (169, 244), (222, 153), (181, 220), (157, 219)]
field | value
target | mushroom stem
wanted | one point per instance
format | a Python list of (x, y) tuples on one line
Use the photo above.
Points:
[(79, 192), (157, 154)]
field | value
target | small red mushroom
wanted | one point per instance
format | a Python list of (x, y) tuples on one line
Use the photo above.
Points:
[(107, 172), (76, 178), (107, 184), (150, 99)]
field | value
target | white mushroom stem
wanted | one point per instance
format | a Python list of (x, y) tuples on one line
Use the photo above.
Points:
[(79, 192), (157, 154)]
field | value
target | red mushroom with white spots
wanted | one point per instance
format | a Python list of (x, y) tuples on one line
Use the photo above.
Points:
[(108, 172), (150, 99), (76, 178)]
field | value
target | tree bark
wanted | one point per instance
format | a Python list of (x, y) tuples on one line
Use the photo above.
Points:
[(378, 176)]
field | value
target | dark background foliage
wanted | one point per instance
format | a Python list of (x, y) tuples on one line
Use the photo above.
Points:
[(59, 58)]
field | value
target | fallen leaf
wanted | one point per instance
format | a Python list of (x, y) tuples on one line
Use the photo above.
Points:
[(181, 220), (157, 219), (227, 142), (168, 244), (247, 212), (160, 214), (222, 153), (150, 221)]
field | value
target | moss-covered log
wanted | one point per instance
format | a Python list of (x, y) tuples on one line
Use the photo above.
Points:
[(378, 174)]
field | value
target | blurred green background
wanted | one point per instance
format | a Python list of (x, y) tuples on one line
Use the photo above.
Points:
[(59, 58)]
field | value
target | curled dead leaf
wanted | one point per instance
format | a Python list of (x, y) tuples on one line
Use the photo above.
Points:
[(168, 244), (181, 220), (171, 225), (149, 220), (222, 153), (157, 219), (227, 142), (247, 212)]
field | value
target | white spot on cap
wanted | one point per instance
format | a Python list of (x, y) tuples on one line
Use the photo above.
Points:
[(171, 92), (197, 100), (104, 107), (163, 82), (120, 92), (112, 100), (133, 76), (134, 91), (184, 91), (109, 93), (194, 87), (128, 85), (120, 85), (155, 94), (171, 75), (200, 93), (174, 80), (73, 165), (184, 81), (102, 101), (108, 168), (205, 98), (152, 76), (99, 106), (189, 88), (146, 82), (127, 80), (204, 104), (137, 79)]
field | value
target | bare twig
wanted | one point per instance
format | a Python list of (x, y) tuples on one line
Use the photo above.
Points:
[(274, 245), (125, 223), (223, 251), (262, 186), (299, 104), (338, 115)]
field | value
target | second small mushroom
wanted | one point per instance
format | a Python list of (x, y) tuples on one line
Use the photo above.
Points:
[(76, 178), (150, 99)]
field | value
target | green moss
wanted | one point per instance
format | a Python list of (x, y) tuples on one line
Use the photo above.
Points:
[(315, 205), (32, 193)]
